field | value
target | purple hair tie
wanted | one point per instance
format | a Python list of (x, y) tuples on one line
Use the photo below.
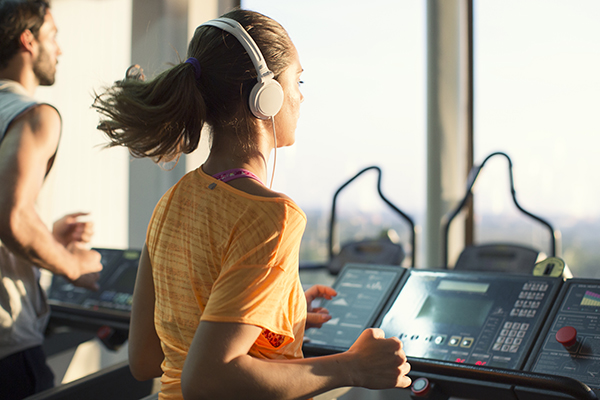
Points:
[(196, 64)]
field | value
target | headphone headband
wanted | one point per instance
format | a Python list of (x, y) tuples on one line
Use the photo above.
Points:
[(237, 30), (266, 96)]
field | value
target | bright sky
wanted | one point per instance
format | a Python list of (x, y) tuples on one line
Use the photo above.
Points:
[(364, 100), (536, 98)]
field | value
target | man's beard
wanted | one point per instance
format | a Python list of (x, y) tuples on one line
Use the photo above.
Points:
[(43, 68)]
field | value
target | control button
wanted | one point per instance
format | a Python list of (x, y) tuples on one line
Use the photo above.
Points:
[(504, 332), (527, 286), (509, 340), (535, 286), (535, 304), (514, 312), (521, 334), (567, 336), (539, 296), (104, 332), (513, 349), (522, 313), (500, 339), (524, 326), (467, 342), (507, 325), (454, 341), (523, 295), (543, 287), (420, 387), (505, 347), (516, 325), (497, 346), (519, 303), (439, 339), (531, 295), (512, 333), (530, 313)]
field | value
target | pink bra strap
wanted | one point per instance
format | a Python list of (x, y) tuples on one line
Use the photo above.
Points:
[(236, 173)]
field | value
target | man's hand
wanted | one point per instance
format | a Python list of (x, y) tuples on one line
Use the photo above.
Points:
[(68, 229), (88, 281), (89, 266)]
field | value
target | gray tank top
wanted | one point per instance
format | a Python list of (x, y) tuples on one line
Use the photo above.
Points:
[(14, 100), (24, 311)]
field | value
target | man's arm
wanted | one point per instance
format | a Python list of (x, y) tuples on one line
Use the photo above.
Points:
[(28, 145)]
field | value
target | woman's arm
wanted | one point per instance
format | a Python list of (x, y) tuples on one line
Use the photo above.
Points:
[(218, 366), (145, 352)]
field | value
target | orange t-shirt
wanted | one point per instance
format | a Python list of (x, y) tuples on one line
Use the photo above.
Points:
[(220, 254)]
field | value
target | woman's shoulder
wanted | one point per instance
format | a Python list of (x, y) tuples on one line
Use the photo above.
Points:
[(256, 189), (240, 194), (271, 201), (273, 205)]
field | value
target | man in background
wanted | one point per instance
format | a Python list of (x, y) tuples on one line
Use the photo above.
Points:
[(29, 137)]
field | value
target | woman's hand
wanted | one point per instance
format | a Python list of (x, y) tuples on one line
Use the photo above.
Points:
[(317, 316), (378, 363)]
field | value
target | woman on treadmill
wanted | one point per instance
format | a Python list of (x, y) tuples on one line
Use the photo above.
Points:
[(218, 309)]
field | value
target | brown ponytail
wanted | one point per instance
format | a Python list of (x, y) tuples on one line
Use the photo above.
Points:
[(159, 119), (163, 118)]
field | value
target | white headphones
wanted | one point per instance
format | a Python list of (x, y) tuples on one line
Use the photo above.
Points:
[(266, 96)]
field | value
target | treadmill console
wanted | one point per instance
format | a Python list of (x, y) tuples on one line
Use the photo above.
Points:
[(362, 290), (570, 343), (476, 318), (112, 301)]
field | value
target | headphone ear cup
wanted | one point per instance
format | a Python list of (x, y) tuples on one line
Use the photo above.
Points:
[(266, 99)]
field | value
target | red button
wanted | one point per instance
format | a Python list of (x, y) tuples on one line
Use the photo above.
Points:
[(104, 332), (567, 336), (420, 386)]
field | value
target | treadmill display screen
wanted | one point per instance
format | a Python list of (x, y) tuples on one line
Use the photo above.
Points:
[(476, 318), (462, 286), (455, 310)]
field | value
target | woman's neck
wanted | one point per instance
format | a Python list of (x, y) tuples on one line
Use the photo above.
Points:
[(215, 164), (229, 154)]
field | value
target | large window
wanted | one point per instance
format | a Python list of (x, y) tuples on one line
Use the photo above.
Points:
[(537, 96), (85, 176), (364, 105)]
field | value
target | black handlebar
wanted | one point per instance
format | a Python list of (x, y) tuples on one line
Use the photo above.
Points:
[(473, 174), (555, 383), (389, 203)]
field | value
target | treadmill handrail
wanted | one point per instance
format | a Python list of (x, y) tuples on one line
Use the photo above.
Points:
[(556, 383), (389, 203), (473, 174)]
